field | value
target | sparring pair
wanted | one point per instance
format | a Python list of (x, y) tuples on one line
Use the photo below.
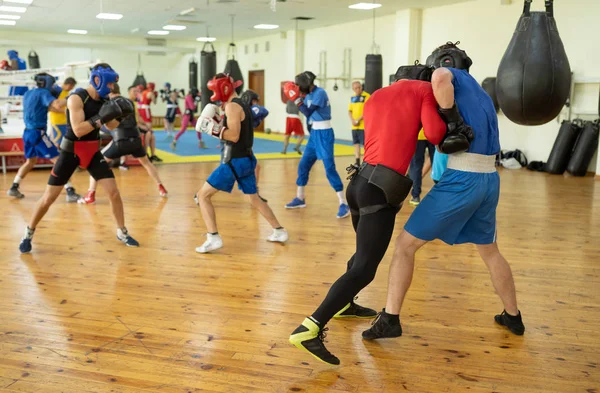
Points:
[(87, 111), (36, 143), (145, 98), (191, 107), (313, 102), (238, 162), (461, 208), (126, 140)]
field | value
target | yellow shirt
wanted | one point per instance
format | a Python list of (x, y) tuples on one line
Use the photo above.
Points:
[(357, 106), (57, 118), (422, 135)]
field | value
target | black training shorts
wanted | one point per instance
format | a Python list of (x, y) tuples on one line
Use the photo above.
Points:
[(67, 163), (124, 147)]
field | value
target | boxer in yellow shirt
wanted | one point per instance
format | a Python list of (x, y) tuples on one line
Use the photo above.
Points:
[(355, 112), (58, 120)]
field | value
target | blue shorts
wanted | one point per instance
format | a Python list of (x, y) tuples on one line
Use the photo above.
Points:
[(57, 132), (223, 178), (37, 144), (461, 208)]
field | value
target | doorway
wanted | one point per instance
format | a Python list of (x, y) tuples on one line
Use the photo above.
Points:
[(256, 82)]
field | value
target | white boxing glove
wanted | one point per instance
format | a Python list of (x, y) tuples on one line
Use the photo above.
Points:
[(210, 121)]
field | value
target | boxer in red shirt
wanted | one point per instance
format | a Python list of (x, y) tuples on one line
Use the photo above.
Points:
[(393, 118)]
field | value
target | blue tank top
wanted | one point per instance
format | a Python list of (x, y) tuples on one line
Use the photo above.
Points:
[(35, 108), (318, 98)]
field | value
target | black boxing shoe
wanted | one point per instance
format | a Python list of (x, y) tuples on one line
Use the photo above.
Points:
[(353, 310), (384, 326), (513, 323)]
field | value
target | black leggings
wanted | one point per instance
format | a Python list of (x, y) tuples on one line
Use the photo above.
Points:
[(373, 235)]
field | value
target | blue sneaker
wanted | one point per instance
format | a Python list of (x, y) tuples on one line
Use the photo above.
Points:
[(25, 246), (126, 239), (344, 211), (296, 204)]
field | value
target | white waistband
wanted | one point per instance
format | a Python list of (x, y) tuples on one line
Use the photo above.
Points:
[(321, 125), (293, 116), (143, 106), (172, 106), (471, 162)]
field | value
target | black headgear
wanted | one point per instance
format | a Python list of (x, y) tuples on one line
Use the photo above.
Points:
[(193, 92), (304, 81), (419, 72), (450, 55), (248, 96)]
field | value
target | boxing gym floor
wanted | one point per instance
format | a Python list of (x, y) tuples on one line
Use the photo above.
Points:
[(83, 313)]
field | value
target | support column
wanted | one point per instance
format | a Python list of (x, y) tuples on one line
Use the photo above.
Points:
[(408, 36)]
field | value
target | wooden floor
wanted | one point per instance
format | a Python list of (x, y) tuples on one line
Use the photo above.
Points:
[(83, 313)]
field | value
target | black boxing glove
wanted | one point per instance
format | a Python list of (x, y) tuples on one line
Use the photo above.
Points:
[(125, 105), (458, 136), (108, 112)]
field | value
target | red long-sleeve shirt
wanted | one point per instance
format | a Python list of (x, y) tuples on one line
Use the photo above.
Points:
[(393, 117)]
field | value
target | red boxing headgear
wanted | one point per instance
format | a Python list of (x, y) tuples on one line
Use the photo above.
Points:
[(222, 87), (151, 86)]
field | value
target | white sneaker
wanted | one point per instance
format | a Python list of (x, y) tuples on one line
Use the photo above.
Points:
[(213, 242), (278, 235)]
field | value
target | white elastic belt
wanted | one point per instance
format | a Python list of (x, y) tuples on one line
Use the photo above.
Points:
[(171, 106), (471, 162), (293, 116), (321, 125), (143, 106)]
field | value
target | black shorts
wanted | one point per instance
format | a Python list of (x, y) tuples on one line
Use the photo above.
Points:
[(358, 137), (67, 163), (124, 147)]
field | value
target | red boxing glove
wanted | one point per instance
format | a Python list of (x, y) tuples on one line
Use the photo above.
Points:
[(292, 92)]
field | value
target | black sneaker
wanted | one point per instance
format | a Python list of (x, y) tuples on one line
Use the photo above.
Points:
[(514, 324), (155, 159), (14, 191), (309, 337), (353, 310), (383, 327)]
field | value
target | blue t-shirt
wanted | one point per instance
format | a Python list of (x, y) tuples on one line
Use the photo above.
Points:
[(318, 100), (35, 108), (258, 114), (477, 109), (440, 162)]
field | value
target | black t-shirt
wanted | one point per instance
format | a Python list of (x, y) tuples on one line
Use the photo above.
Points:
[(243, 147), (127, 127), (91, 108)]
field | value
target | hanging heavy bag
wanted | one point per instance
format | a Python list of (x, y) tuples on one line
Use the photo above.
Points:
[(373, 73), (208, 69), (489, 85), (193, 70), (233, 68), (139, 80), (534, 77), (563, 146), (34, 60), (586, 146)]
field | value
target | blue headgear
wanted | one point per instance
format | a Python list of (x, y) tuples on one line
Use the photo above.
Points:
[(106, 75), (44, 81), (168, 85), (12, 54)]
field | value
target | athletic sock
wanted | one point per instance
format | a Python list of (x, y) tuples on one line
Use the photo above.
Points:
[(29, 232), (300, 193), (68, 185), (341, 197), (316, 322), (122, 233), (17, 180), (394, 318)]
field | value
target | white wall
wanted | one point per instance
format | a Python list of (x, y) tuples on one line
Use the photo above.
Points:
[(485, 37)]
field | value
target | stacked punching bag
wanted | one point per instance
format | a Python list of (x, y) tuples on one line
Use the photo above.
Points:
[(233, 68), (574, 147), (489, 85), (373, 73), (584, 149), (208, 69), (534, 76)]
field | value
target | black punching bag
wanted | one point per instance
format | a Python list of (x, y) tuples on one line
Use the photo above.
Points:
[(373, 73), (208, 69), (534, 77), (193, 69), (563, 146), (584, 149), (139, 80), (34, 60), (233, 69), (489, 85)]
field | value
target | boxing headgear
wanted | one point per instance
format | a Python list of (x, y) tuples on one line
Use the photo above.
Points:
[(4, 65), (105, 76), (451, 56), (44, 81), (168, 86), (151, 86), (248, 96), (12, 54), (419, 72), (194, 92), (305, 81), (223, 86)]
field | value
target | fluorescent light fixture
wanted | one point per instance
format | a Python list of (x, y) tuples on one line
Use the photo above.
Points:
[(158, 32), (104, 15), (8, 22), (13, 17), (206, 39), (266, 27), (6, 8), (19, 1), (364, 6), (188, 11), (75, 31), (174, 27)]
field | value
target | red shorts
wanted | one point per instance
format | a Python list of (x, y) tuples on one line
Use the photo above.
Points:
[(145, 114), (293, 125)]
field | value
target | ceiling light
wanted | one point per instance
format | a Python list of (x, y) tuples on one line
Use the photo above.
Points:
[(6, 8), (266, 27), (19, 1), (364, 6), (188, 11), (109, 16), (8, 22), (174, 27), (14, 17), (75, 31), (158, 32), (206, 39)]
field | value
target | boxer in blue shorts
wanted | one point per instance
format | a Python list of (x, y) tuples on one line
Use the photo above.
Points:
[(36, 143), (237, 162), (461, 208)]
